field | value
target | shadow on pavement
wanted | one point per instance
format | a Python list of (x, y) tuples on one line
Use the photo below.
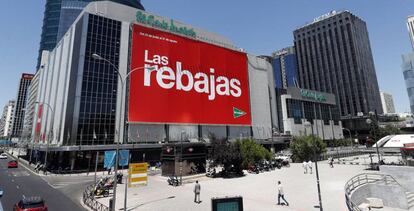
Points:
[(149, 202)]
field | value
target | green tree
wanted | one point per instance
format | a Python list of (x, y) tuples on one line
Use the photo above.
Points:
[(226, 154), (252, 152), (305, 148)]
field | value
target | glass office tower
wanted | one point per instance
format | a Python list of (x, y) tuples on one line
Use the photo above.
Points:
[(334, 56), (59, 16)]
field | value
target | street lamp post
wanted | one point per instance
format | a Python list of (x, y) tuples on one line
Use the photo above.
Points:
[(181, 158), (319, 186), (51, 130), (315, 158), (122, 79), (350, 136), (373, 122)]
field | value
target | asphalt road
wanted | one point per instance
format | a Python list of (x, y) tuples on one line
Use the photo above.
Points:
[(19, 183)]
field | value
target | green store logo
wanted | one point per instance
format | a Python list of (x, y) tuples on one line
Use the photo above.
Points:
[(312, 95), (161, 24), (238, 113)]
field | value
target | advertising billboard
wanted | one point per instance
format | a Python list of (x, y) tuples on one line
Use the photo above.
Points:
[(184, 81)]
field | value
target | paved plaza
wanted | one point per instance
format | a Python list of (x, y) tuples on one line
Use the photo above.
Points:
[(259, 191)]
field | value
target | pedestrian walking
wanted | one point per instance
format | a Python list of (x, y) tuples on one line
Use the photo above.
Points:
[(305, 167), (310, 165), (197, 189), (331, 162), (281, 194), (109, 170)]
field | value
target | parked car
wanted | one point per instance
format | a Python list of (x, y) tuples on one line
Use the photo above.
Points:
[(3, 156), (1, 192), (12, 164), (30, 204)]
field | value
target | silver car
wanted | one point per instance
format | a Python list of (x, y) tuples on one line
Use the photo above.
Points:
[(1, 192), (3, 156)]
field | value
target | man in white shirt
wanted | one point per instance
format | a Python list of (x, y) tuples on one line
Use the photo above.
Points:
[(281, 194), (310, 165)]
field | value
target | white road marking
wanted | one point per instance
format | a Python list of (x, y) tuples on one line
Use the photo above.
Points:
[(17, 187), (21, 174)]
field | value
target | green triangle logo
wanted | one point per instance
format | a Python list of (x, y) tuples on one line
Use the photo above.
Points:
[(238, 113)]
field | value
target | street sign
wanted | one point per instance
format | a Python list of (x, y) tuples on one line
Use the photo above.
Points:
[(137, 174)]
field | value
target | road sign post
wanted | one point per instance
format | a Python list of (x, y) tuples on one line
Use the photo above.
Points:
[(137, 174)]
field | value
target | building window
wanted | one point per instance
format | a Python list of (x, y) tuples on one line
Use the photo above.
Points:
[(99, 84), (325, 114), (294, 110), (309, 111), (335, 115)]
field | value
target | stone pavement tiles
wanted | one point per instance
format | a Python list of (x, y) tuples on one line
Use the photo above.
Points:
[(259, 191)]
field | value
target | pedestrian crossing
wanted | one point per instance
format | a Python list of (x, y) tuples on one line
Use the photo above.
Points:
[(19, 173), (62, 184)]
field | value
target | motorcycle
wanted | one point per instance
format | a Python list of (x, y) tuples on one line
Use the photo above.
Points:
[(106, 182), (173, 181), (119, 178), (211, 174), (101, 191), (253, 169)]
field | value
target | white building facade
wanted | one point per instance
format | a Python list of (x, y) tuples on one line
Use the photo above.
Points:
[(7, 119), (84, 94), (408, 72), (387, 103), (308, 112)]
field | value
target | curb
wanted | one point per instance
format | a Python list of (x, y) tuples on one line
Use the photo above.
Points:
[(84, 205), (24, 163)]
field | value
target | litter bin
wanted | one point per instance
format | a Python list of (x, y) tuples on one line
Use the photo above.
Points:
[(111, 202)]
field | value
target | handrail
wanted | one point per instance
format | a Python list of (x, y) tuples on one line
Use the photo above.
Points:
[(363, 179), (89, 200)]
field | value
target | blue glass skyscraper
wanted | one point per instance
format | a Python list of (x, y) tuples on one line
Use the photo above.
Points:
[(285, 68), (59, 16)]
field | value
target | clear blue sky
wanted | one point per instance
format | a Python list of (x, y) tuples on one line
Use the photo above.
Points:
[(260, 27)]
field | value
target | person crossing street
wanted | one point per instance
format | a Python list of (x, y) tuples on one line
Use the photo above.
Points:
[(281, 194)]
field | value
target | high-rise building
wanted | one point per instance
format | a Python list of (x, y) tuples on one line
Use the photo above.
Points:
[(59, 16), (410, 27), (285, 67), (19, 110), (30, 106), (7, 119), (387, 103), (408, 71), (334, 55)]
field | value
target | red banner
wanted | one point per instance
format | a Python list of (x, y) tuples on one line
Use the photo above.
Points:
[(38, 121), (190, 81)]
